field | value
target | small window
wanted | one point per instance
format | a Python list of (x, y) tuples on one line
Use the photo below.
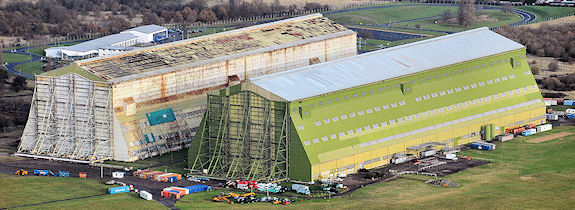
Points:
[(357, 130), (360, 113), (394, 105), (452, 72), (460, 70), (434, 95), (396, 85), (445, 74), (343, 117), (418, 99), (457, 89), (450, 91), (421, 80), (377, 108), (437, 76), (372, 91), (335, 119), (388, 87), (362, 93), (352, 114), (442, 93), (386, 106), (346, 97)]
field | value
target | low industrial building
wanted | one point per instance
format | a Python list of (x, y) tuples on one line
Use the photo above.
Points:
[(363, 111), (109, 45), (150, 101)]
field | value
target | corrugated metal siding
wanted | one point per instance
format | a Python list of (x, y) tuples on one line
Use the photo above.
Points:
[(385, 64)]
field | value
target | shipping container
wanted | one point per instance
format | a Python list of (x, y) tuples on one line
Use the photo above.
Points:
[(543, 128), (64, 173), (506, 137), (302, 189), (118, 174), (518, 130), (159, 177), (483, 146), (198, 188), (569, 116), (146, 195), (115, 190), (552, 117), (570, 111), (140, 172), (170, 194), (151, 175), (181, 189), (550, 102), (155, 176), (569, 102), (427, 153), (83, 175)]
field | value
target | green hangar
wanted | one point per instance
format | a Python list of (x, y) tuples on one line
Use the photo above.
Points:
[(361, 111)]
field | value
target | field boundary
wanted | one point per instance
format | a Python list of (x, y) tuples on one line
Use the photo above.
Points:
[(46, 202), (550, 137)]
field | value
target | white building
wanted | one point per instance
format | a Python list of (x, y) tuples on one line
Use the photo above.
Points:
[(109, 45)]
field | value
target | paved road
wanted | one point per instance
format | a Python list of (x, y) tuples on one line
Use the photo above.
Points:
[(22, 51)]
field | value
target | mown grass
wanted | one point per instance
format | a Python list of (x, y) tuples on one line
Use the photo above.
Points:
[(523, 176), (14, 58), (543, 12), (116, 201), (32, 68)]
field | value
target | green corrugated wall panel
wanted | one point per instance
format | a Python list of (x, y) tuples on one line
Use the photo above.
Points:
[(361, 98), (195, 145), (299, 164)]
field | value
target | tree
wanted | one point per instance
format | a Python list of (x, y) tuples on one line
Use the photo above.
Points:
[(506, 8), (207, 15), (535, 70), (553, 66), (466, 12), (3, 76), (446, 15), (366, 34), (18, 83)]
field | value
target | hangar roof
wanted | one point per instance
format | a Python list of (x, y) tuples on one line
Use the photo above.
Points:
[(385, 64), (196, 51), (147, 29)]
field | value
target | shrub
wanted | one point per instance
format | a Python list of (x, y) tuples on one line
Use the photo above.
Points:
[(553, 66), (535, 70)]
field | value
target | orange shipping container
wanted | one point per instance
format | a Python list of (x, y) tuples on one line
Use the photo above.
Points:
[(165, 178), (156, 175)]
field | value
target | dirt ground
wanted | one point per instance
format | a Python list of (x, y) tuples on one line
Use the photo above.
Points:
[(549, 137)]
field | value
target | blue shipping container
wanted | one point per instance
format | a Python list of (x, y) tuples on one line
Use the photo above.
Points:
[(115, 190), (198, 188), (526, 133), (569, 102), (64, 173), (172, 179), (481, 146), (570, 116)]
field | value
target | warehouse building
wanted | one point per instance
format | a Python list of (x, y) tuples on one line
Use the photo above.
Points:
[(360, 112), (150, 101), (111, 44)]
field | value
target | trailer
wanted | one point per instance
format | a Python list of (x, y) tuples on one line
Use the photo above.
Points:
[(146, 195), (198, 188), (543, 128), (114, 190)]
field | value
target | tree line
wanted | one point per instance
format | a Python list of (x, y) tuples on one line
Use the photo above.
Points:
[(557, 41), (63, 17)]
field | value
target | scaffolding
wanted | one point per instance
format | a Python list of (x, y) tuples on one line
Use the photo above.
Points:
[(70, 118), (244, 136)]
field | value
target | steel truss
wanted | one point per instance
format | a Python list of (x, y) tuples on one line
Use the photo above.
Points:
[(244, 136), (70, 118)]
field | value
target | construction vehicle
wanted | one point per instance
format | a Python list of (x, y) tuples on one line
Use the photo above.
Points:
[(222, 199), (21, 172)]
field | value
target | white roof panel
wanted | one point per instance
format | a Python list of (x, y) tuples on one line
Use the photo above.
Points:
[(385, 64), (147, 29), (102, 42)]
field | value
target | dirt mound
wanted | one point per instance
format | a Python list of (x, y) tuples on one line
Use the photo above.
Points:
[(442, 183)]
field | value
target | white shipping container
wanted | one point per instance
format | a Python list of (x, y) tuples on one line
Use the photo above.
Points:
[(543, 128), (146, 195), (451, 156), (505, 137), (428, 153), (118, 174), (550, 102), (533, 131), (552, 117), (398, 160), (570, 111)]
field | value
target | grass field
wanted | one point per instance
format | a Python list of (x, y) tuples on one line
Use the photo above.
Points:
[(393, 14), (548, 12), (14, 58), (28, 190), (32, 68), (522, 176)]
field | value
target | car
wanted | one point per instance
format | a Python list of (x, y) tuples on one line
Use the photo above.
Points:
[(111, 182)]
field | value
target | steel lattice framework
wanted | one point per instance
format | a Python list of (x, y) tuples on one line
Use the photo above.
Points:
[(244, 136), (70, 118)]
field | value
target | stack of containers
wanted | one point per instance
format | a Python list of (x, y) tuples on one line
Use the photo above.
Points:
[(155, 176), (176, 192), (151, 175), (140, 172), (159, 177), (171, 178)]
